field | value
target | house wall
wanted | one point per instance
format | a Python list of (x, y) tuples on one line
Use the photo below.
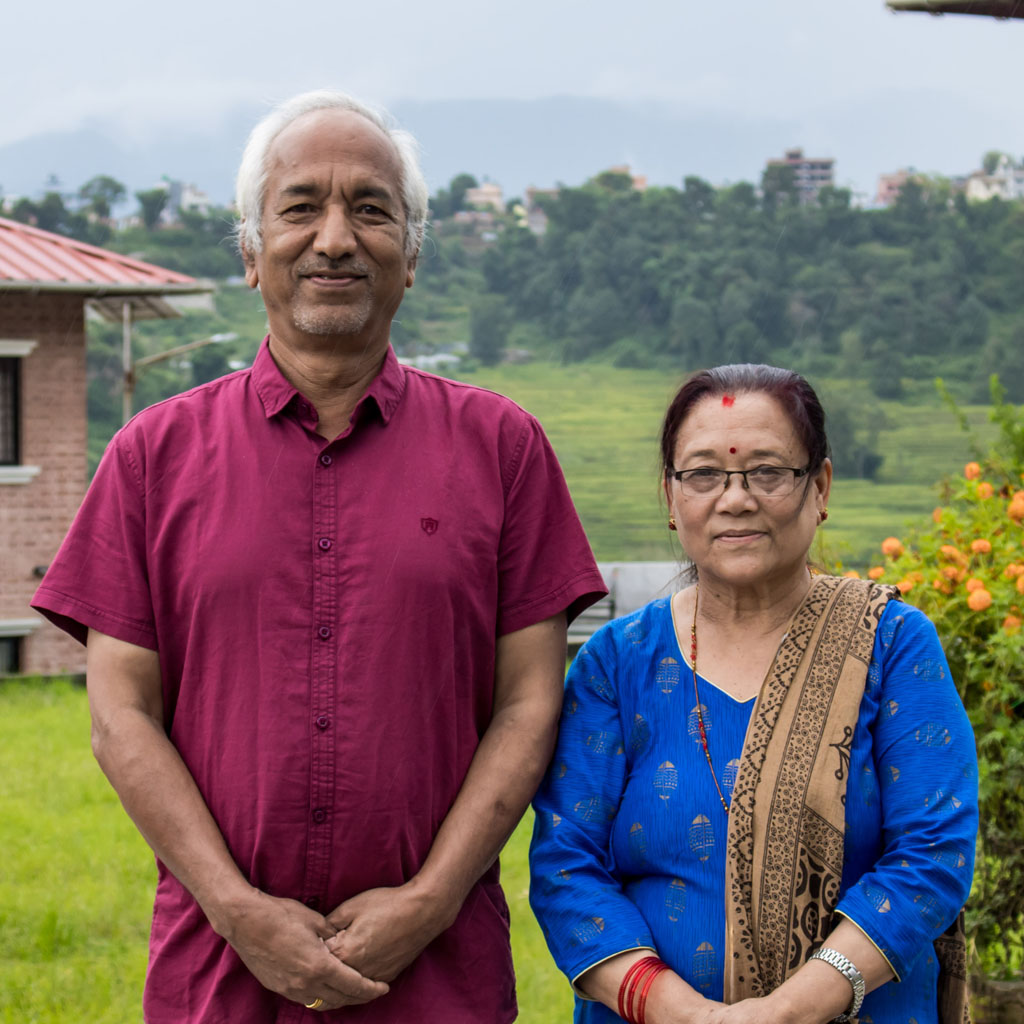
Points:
[(34, 516)]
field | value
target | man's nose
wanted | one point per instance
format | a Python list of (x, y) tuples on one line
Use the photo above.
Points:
[(335, 237)]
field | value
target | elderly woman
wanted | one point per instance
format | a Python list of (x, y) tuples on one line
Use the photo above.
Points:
[(763, 803)]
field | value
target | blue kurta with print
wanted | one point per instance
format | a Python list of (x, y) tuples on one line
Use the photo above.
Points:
[(630, 836)]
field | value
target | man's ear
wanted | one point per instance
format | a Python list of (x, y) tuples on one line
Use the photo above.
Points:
[(252, 277)]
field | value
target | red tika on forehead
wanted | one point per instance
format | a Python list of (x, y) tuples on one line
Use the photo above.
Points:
[(728, 400), (732, 451)]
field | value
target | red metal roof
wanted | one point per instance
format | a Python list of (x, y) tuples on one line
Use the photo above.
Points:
[(35, 260)]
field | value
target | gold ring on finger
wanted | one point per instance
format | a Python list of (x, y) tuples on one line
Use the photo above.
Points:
[(315, 1005)]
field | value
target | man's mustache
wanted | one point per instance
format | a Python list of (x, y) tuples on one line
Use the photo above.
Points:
[(338, 267)]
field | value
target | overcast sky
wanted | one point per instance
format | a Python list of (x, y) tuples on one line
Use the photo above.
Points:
[(819, 64)]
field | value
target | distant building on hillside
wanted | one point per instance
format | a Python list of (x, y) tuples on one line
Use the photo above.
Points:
[(486, 196), (889, 185), (811, 174), (182, 196), (536, 218), (1005, 182)]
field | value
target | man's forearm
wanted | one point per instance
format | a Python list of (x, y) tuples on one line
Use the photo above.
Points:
[(383, 930), (280, 941), (161, 797), (502, 779)]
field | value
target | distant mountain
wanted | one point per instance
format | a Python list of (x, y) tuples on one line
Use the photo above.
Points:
[(542, 142), (515, 143)]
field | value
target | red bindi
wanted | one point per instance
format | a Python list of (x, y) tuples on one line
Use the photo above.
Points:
[(728, 400), (732, 451)]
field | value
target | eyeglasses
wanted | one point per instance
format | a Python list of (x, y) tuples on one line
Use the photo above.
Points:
[(764, 481)]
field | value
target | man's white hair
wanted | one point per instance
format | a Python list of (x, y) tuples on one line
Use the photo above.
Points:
[(251, 183)]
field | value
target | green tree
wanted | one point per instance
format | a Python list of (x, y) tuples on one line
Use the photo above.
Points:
[(449, 201), (151, 204), (990, 161), (100, 194), (489, 325), (778, 186)]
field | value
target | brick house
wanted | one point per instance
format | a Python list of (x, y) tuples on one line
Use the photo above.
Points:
[(46, 281)]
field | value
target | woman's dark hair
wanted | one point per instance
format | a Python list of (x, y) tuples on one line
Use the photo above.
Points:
[(789, 389)]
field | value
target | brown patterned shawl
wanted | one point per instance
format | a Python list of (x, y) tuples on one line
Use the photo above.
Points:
[(786, 821)]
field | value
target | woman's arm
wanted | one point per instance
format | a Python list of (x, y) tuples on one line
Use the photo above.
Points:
[(580, 904)]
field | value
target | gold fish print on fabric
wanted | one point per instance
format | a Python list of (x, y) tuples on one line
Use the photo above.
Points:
[(675, 899), (703, 966), (666, 678), (701, 837), (666, 780)]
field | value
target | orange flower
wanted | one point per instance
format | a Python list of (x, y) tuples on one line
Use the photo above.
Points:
[(972, 471), (981, 546), (1012, 624), (942, 586), (1013, 570), (979, 600), (1020, 584), (852, 574), (876, 572), (953, 554), (892, 546), (974, 584), (905, 586), (985, 489), (1016, 509), (988, 685), (937, 514)]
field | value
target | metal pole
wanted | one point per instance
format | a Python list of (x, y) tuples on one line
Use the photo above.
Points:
[(131, 367), (128, 387)]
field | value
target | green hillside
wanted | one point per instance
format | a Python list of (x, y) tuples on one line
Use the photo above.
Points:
[(604, 422)]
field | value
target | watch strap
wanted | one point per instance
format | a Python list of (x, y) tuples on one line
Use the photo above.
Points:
[(846, 968)]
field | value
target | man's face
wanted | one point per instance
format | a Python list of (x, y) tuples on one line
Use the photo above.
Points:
[(333, 260)]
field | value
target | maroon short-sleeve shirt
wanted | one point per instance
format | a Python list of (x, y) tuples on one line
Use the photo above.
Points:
[(325, 615)]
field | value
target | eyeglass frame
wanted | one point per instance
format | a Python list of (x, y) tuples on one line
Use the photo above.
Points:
[(798, 474)]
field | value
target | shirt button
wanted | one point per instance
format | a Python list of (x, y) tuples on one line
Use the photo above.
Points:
[(324, 544), (324, 632), (325, 459), (319, 815), (322, 721)]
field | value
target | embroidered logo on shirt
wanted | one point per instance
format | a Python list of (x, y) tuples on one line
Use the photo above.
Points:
[(428, 525)]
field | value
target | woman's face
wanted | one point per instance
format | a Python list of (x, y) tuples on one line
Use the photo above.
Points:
[(733, 534)]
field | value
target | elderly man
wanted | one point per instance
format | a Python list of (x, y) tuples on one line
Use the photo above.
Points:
[(325, 601)]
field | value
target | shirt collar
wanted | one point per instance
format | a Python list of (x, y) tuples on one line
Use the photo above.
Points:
[(275, 392)]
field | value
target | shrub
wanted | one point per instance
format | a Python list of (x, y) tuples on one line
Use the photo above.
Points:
[(966, 572)]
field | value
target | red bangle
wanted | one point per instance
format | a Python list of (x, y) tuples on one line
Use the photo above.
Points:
[(641, 1013), (638, 966), (638, 973)]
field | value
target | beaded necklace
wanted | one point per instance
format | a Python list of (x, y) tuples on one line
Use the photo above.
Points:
[(700, 714)]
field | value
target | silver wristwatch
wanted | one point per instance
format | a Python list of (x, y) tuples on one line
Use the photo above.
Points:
[(845, 967)]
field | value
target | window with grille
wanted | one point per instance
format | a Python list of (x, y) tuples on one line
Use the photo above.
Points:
[(10, 655), (10, 380)]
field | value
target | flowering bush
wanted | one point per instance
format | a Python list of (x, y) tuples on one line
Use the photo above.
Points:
[(966, 572)]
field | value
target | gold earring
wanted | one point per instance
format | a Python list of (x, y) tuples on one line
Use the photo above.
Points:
[(823, 515), (671, 522)]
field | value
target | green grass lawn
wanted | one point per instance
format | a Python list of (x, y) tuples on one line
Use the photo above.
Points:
[(76, 879)]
